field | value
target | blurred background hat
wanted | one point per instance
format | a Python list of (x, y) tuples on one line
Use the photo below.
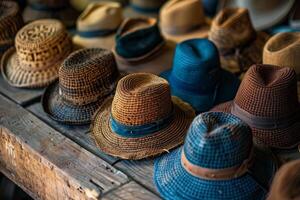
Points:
[(140, 8), (80, 5)]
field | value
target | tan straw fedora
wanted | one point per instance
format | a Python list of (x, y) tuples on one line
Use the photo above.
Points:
[(40, 48), (97, 25), (283, 49), (142, 120), (141, 47), (183, 19), (240, 46)]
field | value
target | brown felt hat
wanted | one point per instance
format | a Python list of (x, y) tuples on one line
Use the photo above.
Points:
[(40, 48), (267, 101), (240, 46), (283, 49), (286, 183), (183, 19), (142, 119)]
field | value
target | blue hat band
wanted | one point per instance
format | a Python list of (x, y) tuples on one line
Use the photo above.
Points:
[(96, 33), (41, 7), (141, 130)]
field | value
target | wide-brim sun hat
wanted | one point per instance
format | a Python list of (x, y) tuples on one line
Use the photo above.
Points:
[(136, 137)]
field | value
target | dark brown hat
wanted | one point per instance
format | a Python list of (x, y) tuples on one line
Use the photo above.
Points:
[(267, 101)]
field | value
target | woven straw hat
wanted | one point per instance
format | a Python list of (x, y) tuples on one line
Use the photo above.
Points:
[(142, 120), (10, 22), (140, 8), (86, 78), (183, 19), (286, 182), (197, 77), (217, 161), (97, 25), (283, 49), (44, 9), (267, 101), (140, 47), (239, 44), (40, 47), (80, 5)]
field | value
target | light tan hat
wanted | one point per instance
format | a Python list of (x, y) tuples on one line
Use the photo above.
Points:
[(97, 25), (183, 19), (80, 5), (283, 49)]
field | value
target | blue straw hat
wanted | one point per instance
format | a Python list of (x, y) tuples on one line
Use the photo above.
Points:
[(197, 78), (216, 162)]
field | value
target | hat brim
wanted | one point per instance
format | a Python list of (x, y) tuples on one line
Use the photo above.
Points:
[(16, 76), (105, 42), (146, 146), (282, 138), (228, 87), (174, 182)]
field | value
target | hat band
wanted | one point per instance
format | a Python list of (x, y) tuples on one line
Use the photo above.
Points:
[(264, 122), (96, 33), (41, 7), (216, 174), (141, 130)]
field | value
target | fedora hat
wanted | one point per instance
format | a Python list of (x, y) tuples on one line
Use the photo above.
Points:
[(80, 5), (283, 49), (86, 78), (10, 22), (183, 19), (264, 14), (141, 47), (239, 44), (97, 25), (286, 182), (140, 8), (197, 77), (142, 119), (44, 9), (217, 161), (40, 48), (267, 101)]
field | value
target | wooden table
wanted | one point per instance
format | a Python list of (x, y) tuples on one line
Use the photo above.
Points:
[(52, 161)]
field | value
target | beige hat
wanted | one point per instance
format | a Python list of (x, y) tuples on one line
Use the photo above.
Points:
[(80, 5), (283, 49), (183, 19), (97, 25)]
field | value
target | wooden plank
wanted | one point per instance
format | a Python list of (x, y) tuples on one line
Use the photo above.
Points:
[(141, 171), (20, 96), (48, 165), (130, 191), (79, 134)]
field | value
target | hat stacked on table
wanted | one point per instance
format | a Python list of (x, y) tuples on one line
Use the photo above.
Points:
[(80, 5)]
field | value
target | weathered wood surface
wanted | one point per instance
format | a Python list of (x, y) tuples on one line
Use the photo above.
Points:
[(20, 96), (130, 191), (79, 134), (48, 165)]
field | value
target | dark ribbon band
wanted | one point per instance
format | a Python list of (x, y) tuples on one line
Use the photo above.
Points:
[(142, 130), (145, 10), (41, 7), (97, 33), (264, 122)]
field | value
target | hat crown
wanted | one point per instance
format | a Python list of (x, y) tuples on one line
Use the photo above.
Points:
[(217, 140), (87, 75), (141, 98), (100, 16), (181, 15), (197, 62), (42, 43), (283, 49), (231, 28), (268, 91)]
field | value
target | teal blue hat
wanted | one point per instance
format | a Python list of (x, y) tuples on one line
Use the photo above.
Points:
[(217, 161), (197, 78)]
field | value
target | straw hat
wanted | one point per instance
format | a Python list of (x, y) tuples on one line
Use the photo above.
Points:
[(142, 120), (238, 43), (10, 22), (140, 47), (267, 101), (58, 9), (80, 5), (286, 182), (264, 14), (141, 8), (197, 77), (283, 49), (217, 161), (183, 19), (86, 78), (97, 25)]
